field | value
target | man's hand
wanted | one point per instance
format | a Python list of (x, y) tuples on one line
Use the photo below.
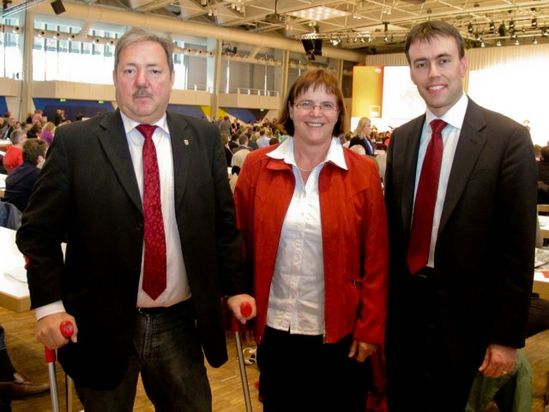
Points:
[(48, 330), (498, 361), (235, 302), (360, 351)]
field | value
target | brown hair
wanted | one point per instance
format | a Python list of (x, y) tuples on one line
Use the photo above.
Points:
[(313, 79), (33, 148), (430, 29)]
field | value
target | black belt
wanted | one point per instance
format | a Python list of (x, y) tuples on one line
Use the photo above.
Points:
[(162, 310), (424, 273)]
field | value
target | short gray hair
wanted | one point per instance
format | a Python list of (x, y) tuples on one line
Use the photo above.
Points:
[(16, 135), (136, 35)]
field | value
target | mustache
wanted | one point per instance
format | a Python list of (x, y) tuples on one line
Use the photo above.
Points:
[(142, 93)]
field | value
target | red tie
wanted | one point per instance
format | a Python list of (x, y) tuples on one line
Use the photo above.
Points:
[(426, 196), (154, 267)]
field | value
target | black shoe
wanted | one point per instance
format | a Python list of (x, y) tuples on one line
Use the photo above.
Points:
[(21, 387)]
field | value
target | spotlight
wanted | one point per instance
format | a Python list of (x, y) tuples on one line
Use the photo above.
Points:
[(57, 6)]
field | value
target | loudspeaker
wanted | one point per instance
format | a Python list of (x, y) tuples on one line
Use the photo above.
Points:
[(312, 47), (57, 6)]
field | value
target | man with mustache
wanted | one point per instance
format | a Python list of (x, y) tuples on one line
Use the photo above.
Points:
[(142, 199), (460, 189)]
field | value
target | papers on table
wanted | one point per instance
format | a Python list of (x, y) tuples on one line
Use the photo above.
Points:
[(17, 273), (542, 257)]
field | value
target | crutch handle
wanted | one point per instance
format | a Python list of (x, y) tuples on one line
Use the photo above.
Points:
[(67, 330), (246, 309)]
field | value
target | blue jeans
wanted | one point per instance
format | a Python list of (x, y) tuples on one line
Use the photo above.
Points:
[(168, 355)]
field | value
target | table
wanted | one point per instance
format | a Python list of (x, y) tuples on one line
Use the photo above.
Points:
[(4, 144), (14, 291), (2, 185)]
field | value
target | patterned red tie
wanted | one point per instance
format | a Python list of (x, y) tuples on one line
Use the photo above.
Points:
[(426, 196), (154, 267)]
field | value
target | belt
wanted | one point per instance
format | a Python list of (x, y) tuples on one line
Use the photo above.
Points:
[(162, 310), (425, 273)]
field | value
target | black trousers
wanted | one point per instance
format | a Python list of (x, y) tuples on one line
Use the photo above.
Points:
[(301, 373), (424, 377)]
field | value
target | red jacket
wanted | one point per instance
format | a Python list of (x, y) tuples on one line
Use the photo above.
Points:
[(354, 236)]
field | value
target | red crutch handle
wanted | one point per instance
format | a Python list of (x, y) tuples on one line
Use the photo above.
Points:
[(246, 309), (67, 330)]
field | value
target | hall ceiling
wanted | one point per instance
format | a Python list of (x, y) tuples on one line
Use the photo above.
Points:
[(375, 26)]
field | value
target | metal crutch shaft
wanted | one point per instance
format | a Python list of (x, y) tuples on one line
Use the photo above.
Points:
[(67, 330)]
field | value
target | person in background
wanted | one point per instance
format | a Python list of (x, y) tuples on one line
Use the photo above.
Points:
[(315, 243), (59, 117), (14, 385), (362, 131), (148, 260), (460, 189), (48, 133), (14, 154), (20, 182), (225, 126), (9, 126)]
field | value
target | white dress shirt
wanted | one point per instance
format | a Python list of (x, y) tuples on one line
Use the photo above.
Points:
[(450, 137), (177, 285), (296, 298)]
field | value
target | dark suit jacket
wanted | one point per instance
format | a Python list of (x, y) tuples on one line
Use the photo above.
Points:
[(87, 194), (485, 245)]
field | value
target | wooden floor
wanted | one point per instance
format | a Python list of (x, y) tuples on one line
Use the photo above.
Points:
[(27, 355)]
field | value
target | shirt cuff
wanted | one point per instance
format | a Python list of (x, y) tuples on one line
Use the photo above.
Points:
[(50, 309)]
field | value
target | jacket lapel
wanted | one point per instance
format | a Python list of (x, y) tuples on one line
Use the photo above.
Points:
[(113, 139), (470, 144), (183, 145), (410, 154)]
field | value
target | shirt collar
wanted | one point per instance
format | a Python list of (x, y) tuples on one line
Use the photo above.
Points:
[(454, 116), (285, 151), (130, 124)]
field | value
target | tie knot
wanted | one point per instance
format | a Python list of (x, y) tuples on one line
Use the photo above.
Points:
[(146, 130), (437, 126)]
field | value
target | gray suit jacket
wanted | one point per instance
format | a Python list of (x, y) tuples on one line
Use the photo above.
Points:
[(87, 194)]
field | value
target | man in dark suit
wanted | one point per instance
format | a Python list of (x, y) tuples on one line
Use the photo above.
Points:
[(142, 199), (462, 261)]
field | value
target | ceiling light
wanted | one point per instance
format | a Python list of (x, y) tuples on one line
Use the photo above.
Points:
[(319, 13)]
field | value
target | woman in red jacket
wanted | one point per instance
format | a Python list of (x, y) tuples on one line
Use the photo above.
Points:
[(315, 243)]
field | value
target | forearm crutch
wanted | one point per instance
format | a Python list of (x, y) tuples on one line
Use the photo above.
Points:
[(237, 328), (67, 330)]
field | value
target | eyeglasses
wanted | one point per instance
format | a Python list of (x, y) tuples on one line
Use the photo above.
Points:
[(309, 106)]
